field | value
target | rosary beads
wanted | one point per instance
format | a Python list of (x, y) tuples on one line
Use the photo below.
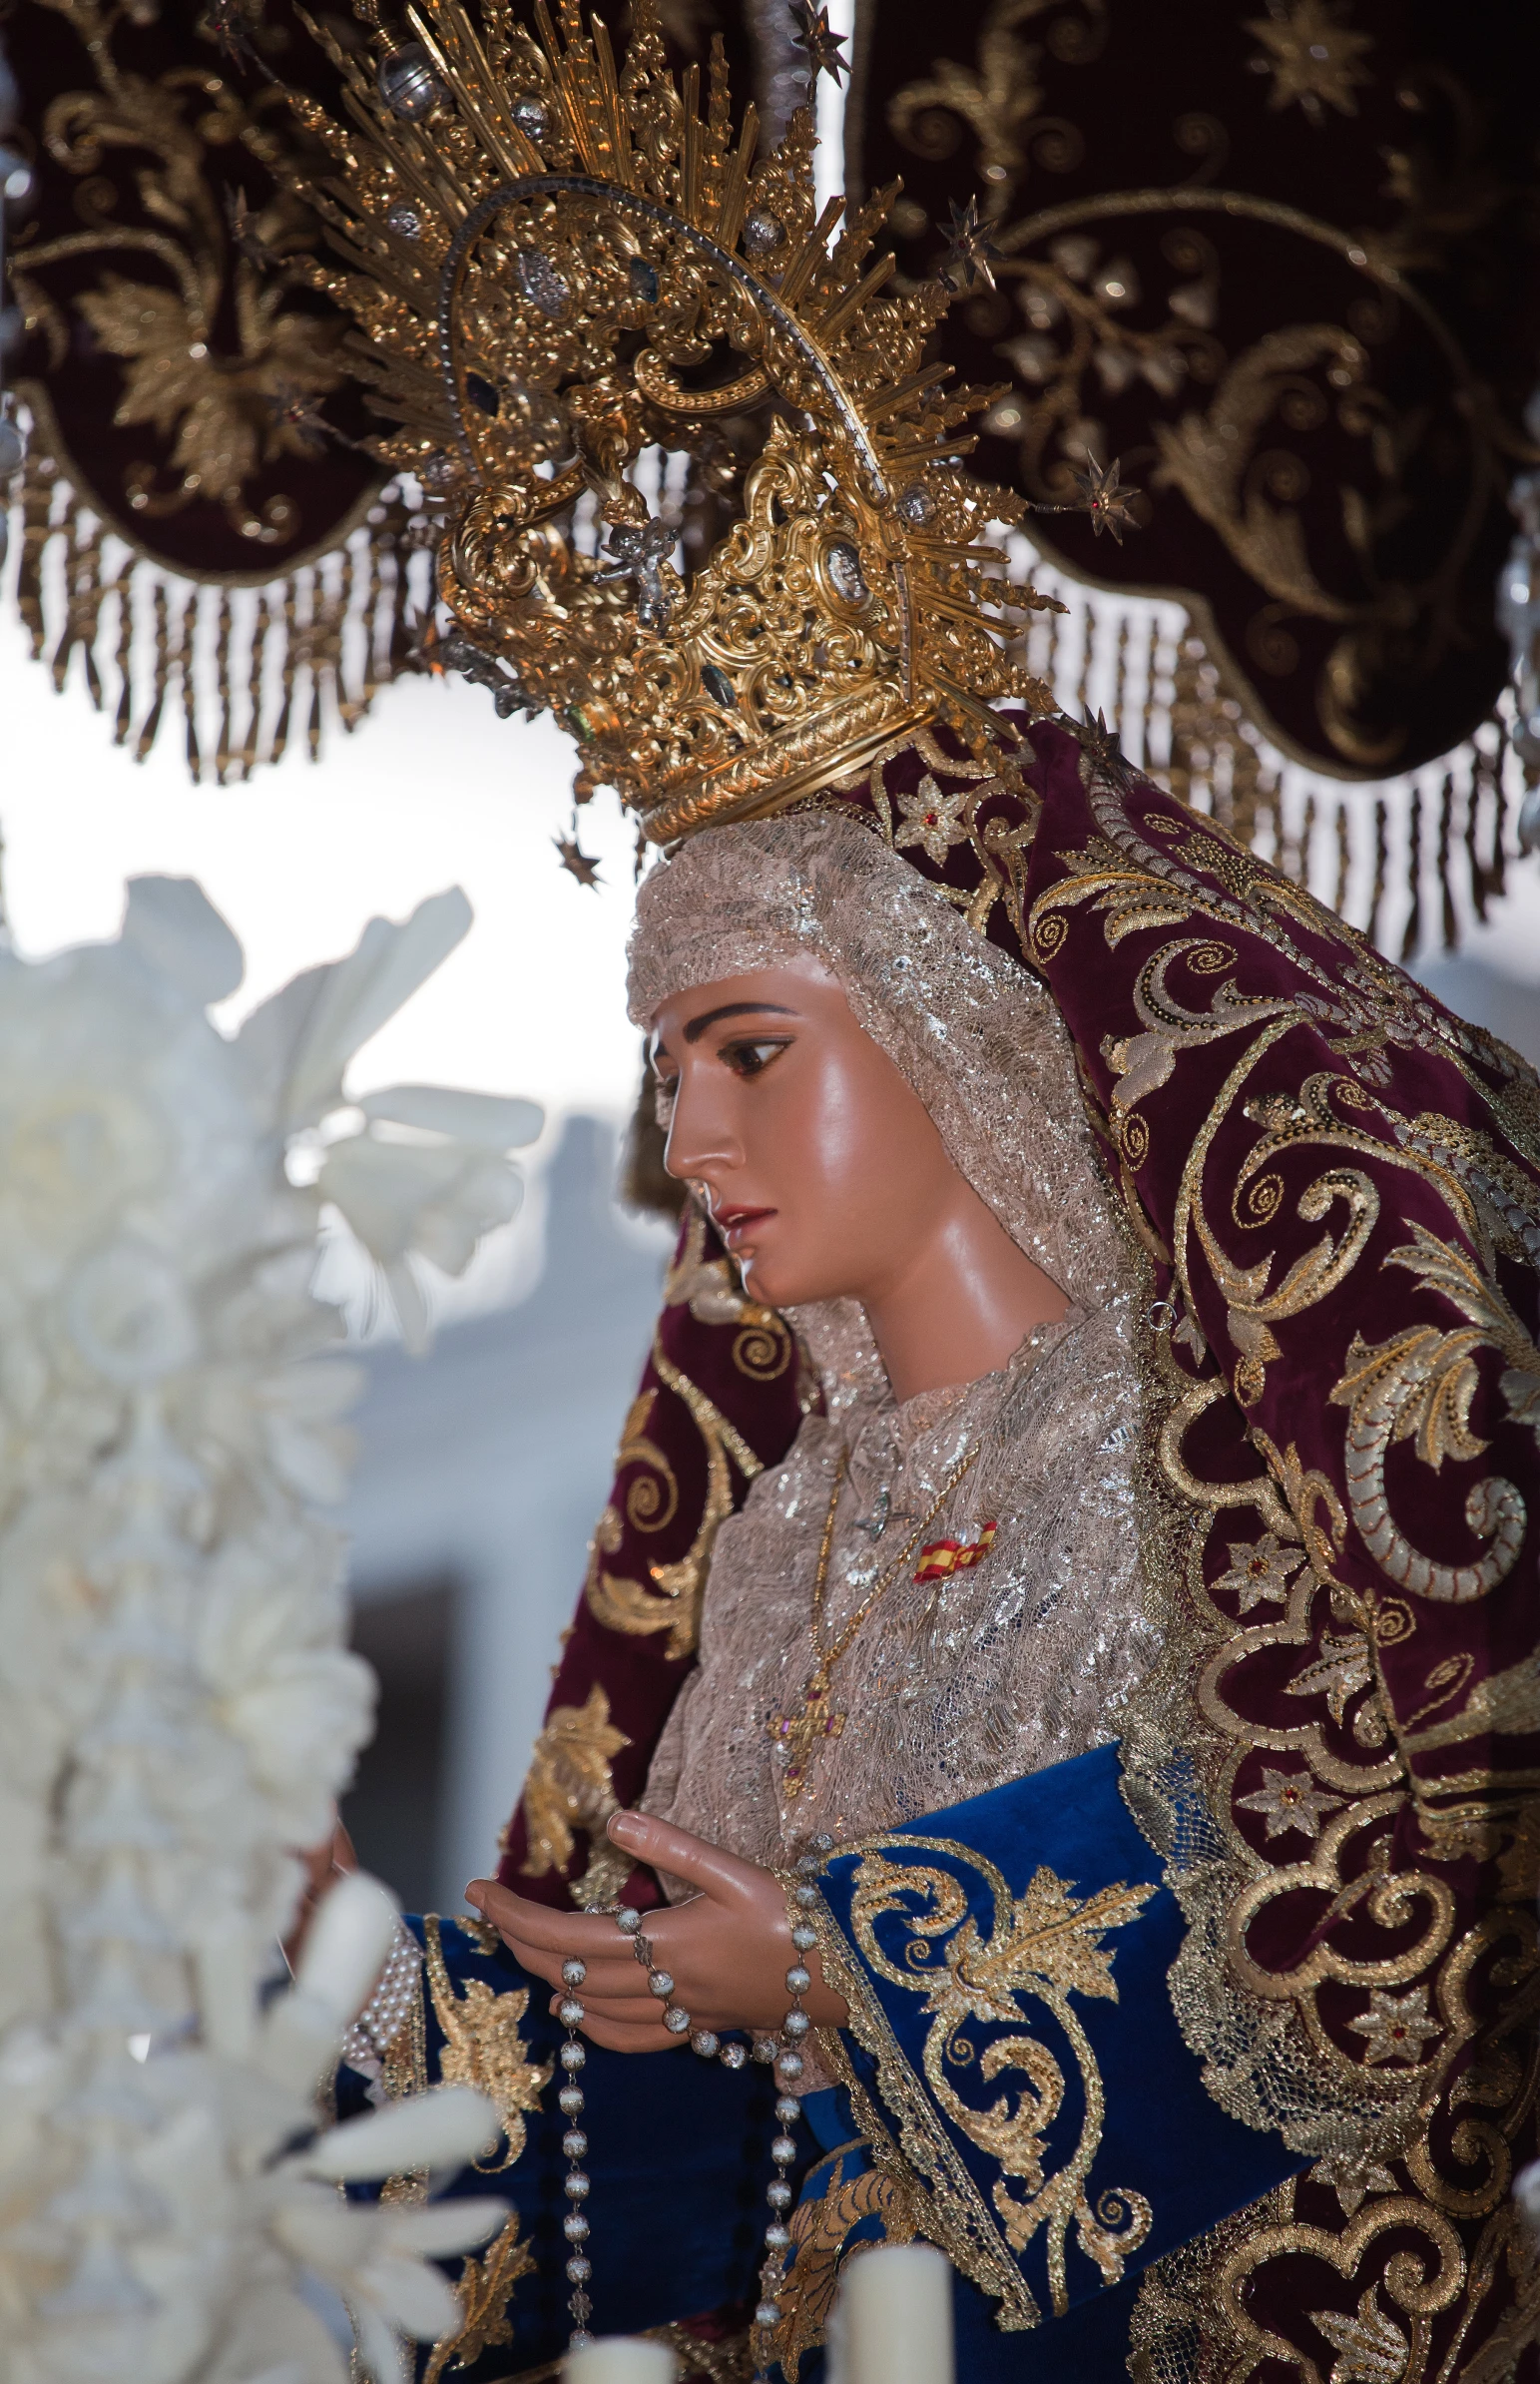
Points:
[(575, 2185), (789, 2065), (782, 2051)]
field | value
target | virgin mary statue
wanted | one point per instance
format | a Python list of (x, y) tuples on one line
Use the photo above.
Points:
[(1043, 1763)]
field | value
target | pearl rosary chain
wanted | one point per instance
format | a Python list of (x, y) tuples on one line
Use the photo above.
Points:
[(788, 2057), (780, 2050), (575, 2226)]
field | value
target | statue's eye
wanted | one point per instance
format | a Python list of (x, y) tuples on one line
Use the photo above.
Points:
[(753, 1058)]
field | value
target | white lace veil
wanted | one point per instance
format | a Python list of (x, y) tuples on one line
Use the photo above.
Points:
[(975, 1035)]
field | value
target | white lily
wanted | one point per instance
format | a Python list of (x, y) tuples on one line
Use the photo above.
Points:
[(178, 1706), (298, 1043), (376, 2257)]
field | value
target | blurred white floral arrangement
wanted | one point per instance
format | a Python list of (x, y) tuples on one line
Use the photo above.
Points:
[(177, 1708)]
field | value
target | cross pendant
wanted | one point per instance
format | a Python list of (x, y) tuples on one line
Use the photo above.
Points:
[(799, 1732)]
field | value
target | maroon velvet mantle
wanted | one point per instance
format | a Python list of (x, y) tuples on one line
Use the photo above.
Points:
[(720, 1397)]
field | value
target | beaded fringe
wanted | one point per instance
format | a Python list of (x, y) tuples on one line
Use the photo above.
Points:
[(1415, 862), (241, 672)]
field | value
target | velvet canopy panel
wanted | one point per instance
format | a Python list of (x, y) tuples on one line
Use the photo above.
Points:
[(1281, 263)]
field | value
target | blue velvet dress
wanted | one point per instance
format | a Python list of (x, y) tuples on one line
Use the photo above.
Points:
[(1014, 2087)]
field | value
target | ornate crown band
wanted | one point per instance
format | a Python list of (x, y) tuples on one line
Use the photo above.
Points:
[(555, 265)]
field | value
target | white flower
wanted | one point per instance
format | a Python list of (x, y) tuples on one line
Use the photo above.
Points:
[(442, 2129), (296, 1046), (178, 1707), (437, 1198), (376, 2256), (129, 1312)]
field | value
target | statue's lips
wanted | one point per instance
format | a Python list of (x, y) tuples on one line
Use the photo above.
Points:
[(736, 1225)]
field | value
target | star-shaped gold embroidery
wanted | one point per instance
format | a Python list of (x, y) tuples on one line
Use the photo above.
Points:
[(1312, 57), (576, 861), (932, 818), (971, 254), (1352, 2177), (1291, 1800), (819, 44), (1261, 1568), (1397, 2026), (1103, 744), (1371, 2348)]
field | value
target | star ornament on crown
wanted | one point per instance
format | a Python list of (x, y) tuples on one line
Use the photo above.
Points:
[(554, 262)]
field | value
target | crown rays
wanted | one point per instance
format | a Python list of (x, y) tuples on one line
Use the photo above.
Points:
[(554, 260)]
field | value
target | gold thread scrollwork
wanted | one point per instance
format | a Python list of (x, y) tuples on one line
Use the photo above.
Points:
[(673, 1602), (1419, 1387), (485, 2287), (821, 2228), (761, 1348), (1044, 1947)]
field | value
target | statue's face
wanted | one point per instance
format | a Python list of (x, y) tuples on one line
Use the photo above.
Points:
[(817, 1160)]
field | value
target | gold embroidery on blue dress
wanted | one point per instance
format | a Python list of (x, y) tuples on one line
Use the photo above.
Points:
[(821, 2226), (482, 2045), (485, 2287), (1045, 1946)]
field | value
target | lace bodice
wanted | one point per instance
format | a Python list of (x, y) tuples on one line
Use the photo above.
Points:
[(955, 1682)]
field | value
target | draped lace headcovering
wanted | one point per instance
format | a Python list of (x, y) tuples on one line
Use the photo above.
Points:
[(978, 1038)]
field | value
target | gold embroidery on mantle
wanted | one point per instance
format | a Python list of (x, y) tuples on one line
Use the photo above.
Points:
[(482, 2045), (1419, 1387), (672, 1603), (1357, 2085), (570, 1785)]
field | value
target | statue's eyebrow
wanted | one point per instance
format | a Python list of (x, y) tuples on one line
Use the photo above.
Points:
[(734, 1009)]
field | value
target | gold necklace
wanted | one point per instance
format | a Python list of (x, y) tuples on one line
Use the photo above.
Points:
[(800, 1732)]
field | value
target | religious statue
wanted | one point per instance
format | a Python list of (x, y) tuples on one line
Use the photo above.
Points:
[(1046, 1745)]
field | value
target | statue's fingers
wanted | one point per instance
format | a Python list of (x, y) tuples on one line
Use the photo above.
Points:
[(685, 1856), (617, 2036), (634, 2011), (537, 1925)]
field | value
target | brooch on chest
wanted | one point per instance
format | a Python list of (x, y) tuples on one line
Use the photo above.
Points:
[(946, 1557)]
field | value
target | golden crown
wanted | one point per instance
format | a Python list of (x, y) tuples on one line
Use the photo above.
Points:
[(555, 265)]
